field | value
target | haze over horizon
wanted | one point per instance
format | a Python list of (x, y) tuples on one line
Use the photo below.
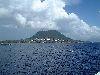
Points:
[(77, 19)]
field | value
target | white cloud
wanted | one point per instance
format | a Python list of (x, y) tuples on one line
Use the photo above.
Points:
[(78, 29), (50, 14), (37, 4), (42, 25), (21, 19), (3, 12), (98, 73)]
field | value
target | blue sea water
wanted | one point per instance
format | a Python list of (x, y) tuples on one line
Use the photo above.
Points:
[(50, 59)]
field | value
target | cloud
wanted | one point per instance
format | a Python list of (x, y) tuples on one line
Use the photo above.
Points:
[(72, 26), (98, 73), (37, 4), (50, 14), (3, 12), (21, 19)]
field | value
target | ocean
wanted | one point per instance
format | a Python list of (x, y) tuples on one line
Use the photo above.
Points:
[(50, 59)]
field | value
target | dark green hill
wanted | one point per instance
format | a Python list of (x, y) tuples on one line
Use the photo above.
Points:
[(52, 35), (49, 34)]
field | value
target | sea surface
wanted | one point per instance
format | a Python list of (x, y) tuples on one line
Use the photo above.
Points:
[(50, 59)]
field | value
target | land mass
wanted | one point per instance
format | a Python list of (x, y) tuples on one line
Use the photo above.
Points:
[(50, 36)]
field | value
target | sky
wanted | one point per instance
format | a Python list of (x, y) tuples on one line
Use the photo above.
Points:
[(77, 19), (87, 10)]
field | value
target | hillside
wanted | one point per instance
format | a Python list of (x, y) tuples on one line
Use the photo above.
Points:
[(49, 36)]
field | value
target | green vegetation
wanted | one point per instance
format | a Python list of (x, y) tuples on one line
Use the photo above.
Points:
[(50, 36)]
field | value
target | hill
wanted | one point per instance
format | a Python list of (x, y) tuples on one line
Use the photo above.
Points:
[(49, 36)]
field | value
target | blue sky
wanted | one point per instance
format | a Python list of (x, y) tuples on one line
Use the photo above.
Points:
[(77, 19), (88, 10)]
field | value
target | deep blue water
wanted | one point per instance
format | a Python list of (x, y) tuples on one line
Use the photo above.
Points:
[(50, 59)]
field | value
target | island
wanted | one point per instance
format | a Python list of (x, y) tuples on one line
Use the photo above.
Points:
[(49, 36)]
